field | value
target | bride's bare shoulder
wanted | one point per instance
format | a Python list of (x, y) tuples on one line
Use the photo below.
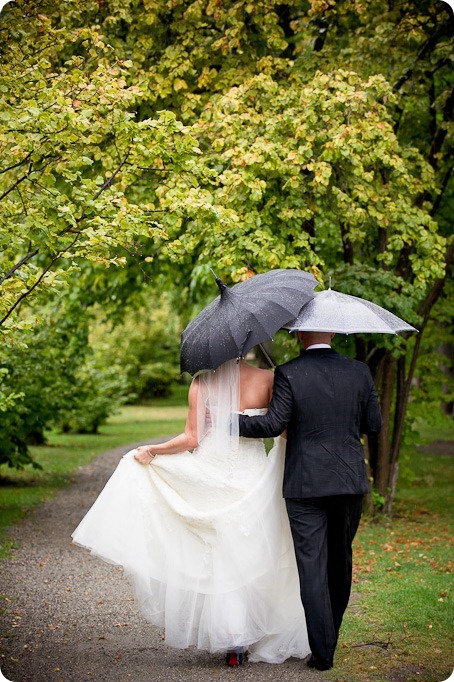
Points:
[(259, 374), (256, 387), (246, 367)]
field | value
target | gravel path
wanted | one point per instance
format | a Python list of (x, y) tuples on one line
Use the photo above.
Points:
[(67, 616)]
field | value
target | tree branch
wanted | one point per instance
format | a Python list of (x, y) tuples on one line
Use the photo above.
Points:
[(19, 264), (437, 288), (29, 291), (32, 254), (444, 184), (348, 248), (441, 132), (427, 47), (16, 184), (16, 165), (26, 293), (109, 181)]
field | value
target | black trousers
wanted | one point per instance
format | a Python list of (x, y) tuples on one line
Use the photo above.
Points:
[(323, 529)]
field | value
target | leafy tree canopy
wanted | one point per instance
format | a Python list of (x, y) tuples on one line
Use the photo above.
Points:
[(99, 73), (176, 135), (72, 153)]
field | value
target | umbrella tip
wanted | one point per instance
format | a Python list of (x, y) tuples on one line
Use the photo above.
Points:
[(329, 286), (219, 282)]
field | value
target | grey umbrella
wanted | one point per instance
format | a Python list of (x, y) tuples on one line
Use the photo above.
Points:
[(331, 311), (243, 316)]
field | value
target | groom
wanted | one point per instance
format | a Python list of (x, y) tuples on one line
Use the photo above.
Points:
[(325, 401)]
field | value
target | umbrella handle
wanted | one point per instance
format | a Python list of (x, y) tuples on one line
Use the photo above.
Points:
[(272, 364)]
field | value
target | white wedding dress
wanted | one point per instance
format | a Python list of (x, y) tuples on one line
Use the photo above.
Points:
[(206, 541)]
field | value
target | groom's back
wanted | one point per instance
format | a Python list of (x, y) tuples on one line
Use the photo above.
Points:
[(333, 401)]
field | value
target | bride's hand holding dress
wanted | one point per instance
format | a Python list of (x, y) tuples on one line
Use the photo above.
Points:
[(185, 441)]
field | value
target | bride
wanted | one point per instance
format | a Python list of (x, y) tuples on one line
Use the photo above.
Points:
[(200, 527)]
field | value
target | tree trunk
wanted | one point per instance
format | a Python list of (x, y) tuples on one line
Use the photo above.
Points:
[(368, 499), (386, 391), (447, 367), (402, 384), (384, 462)]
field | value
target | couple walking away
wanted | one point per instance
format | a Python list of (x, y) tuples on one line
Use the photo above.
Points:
[(218, 557)]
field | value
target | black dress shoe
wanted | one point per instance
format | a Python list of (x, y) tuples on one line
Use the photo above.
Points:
[(319, 663)]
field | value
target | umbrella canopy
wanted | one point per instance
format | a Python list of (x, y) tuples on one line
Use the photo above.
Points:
[(243, 316), (331, 311)]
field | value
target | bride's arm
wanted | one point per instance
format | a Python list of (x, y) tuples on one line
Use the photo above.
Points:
[(184, 441)]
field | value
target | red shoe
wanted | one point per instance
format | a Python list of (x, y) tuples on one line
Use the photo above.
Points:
[(232, 659)]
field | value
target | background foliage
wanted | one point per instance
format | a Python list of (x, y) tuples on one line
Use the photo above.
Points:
[(144, 348), (53, 379), (144, 143)]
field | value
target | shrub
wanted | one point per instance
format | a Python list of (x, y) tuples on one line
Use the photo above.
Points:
[(50, 379), (146, 345)]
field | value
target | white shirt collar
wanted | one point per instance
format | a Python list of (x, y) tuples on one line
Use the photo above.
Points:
[(318, 345)]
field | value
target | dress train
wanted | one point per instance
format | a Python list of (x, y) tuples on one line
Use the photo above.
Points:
[(206, 542)]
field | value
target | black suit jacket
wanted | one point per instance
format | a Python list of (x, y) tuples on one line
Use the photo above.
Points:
[(325, 400)]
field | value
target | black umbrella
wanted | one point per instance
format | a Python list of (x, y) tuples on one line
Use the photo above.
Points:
[(242, 317)]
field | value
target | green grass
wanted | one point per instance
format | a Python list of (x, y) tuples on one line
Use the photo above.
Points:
[(178, 397), (21, 491), (440, 428), (401, 626)]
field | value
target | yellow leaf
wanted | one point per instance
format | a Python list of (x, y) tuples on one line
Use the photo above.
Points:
[(179, 84)]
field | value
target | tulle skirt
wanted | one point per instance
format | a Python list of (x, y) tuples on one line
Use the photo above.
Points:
[(206, 542)]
